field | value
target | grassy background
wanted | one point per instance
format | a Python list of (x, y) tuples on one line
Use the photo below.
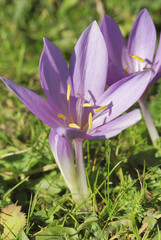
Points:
[(124, 173)]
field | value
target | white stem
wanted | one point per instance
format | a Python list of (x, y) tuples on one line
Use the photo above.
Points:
[(148, 120), (73, 185), (81, 176)]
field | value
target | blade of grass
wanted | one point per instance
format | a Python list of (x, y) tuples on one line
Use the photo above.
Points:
[(12, 189), (134, 226)]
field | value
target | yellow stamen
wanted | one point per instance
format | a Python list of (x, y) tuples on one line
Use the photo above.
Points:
[(60, 115), (85, 126), (90, 120), (148, 68), (138, 58), (87, 105), (68, 92), (100, 109), (74, 125), (126, 69)]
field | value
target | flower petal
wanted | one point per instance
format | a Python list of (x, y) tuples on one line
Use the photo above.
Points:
[(70, 133), (89, 63), (142, 39), (115, 73), (157, 64), (36, 104), (62, 150), (114, 40), (53, 73), (114, 127), (122, 95)]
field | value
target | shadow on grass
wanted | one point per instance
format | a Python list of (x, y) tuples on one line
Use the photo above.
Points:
[(144, 157)]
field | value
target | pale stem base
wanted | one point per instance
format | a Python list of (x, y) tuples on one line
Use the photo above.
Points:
[(81, 176), (148, 120)]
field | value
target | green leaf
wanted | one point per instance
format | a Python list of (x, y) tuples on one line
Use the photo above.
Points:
[(22, 236), (151, 222), (12, 220), (158, 236), (134, 226), (89, 221), (60, 233)]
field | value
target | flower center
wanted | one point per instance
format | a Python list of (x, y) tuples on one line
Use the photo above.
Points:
[(100, 109), (74, 125), (84, 113), (137, 65), (138, 58)]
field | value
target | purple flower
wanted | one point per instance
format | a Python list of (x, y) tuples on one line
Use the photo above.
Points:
[(138, 54), (77, 106), (136, 57)]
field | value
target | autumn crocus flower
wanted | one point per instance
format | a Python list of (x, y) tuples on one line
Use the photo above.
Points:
[(77, 106), (134, 57)]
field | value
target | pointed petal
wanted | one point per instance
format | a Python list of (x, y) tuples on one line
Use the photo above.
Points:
[(62, 150), (115, 73), (89, 63), (53, 73), (122, 95), (36, 104), (114, 40), (142, 39), (157, 64), (114, 127)]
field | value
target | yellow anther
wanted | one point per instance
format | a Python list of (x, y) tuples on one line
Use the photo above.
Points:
[(100, 109), (68, 92), (90, 120), (60, 115), (85, 126), (74, 125), (126, 69), (145, 68), (138, 58), (87, 105)]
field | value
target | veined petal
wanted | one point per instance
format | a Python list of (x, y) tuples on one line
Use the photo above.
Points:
[(157, 64), (114, 40), (89, 63), (114, 127), (142, 39), (36, 104), (122, 95), (53, 73), (62, 150), (115, 73)]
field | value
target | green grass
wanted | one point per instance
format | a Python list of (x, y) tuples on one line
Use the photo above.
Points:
[(123, 173)]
